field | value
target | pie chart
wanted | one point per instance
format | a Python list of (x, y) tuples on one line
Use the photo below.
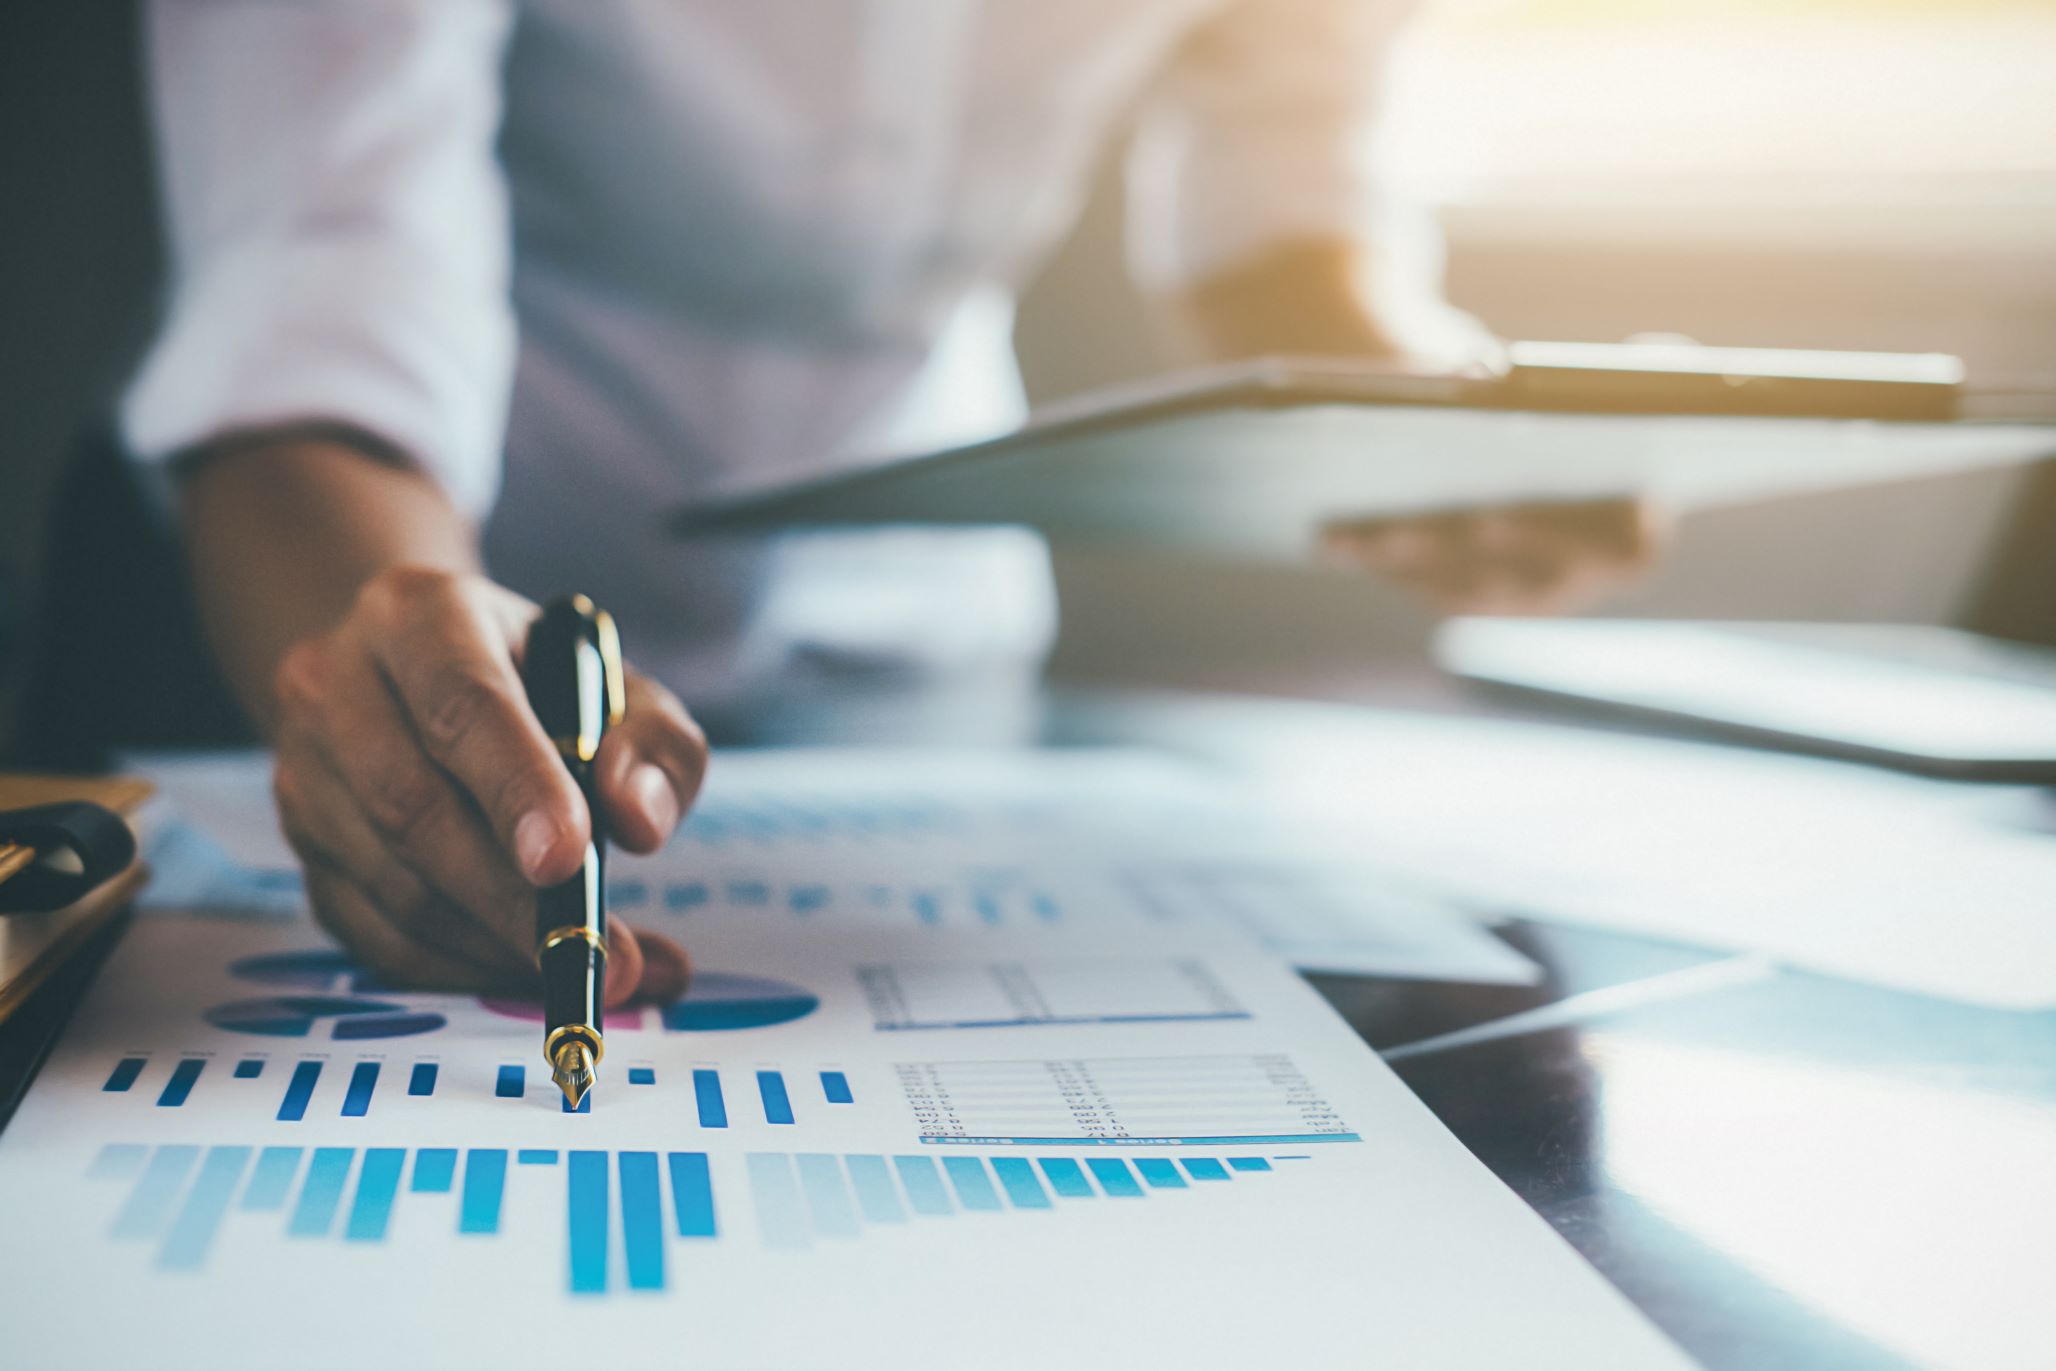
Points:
[(296, 1016), (715, 1002)]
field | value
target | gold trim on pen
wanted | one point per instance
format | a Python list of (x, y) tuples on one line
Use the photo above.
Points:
[(609, 643), (580, 749), (567, 933), (585, 1033)]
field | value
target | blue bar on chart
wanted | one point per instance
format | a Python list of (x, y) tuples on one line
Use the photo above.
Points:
[(124, 1074), (249, 1068), (1017, 1178), (537, 1156), (272, 1180), (927, 907), (587, 1215), (513, 1080), (777, 1104), (298, 1091), (320, 1193), (148, 1207), (836, 1086), (1160, 1173), (679, 898), (642, 1217), (1114, 1177), (372, 1211), (973, 1186), (808, 898), (421, 1081), (706, 1089), (1204, 1169), (627, 894), (924, 1185), (641, 1075), (692, 1194), (117, 1162), (192, 1233), (1066, 1178), (181, 1083), (435, 1171), (485, 1181), (828, 1199), (780, 1218), (1249, 1163), (875, 1194), (363, 1080)]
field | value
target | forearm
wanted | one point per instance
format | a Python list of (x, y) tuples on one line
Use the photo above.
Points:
[(283, 532)]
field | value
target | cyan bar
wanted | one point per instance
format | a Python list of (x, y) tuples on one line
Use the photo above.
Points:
[(642, 1219), (706, 1089), (875, 1194), (117, 1162), (485, 1179), (828, 1199), (973, 1186), (641, 1075), (780, 1218), (512, 1082), (836, 1086), (777, 1104), (363, 1080), (435, 1170), (249, 1068), (371, 1213), (192, 1233), (1160, 1173), (421, 1081), (273, 1178), (537, 1156), (1204, 1168), (692, 1195), (181, 1083), (298, 1091), (1249, 1163), (125, 1072), (925, 1191), (587, 1192), (1017, 1178), (1224, 1140), (148, 1207), (320, 1193), (1114, 1177), (1066, 1178)]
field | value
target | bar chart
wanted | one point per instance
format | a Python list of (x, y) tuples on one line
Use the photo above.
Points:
[(1213, 1101), (628, 1215), (942, 995)]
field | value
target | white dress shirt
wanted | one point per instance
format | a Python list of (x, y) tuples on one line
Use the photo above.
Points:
[(584, 259)]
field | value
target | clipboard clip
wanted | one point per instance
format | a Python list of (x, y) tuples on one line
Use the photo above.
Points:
[(54, 855)]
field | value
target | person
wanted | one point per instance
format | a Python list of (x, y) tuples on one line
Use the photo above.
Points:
[(466, 293)]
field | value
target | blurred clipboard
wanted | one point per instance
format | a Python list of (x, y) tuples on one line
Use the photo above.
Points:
[(68, 863), (1252, 460)]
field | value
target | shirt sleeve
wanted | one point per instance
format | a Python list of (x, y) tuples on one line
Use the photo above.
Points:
[(338, 228), (1263, 130)]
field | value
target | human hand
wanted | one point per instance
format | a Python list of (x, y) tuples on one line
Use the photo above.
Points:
[(1520, 559), (427, 806)]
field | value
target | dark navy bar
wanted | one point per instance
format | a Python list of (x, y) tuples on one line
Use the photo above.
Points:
[(181, 1083), (836, 1086), (298, 1091), (421, 1081), (125, 1072), (641, 1075), (512, 1082), (363, 1080), (706, 1089), (777, 1104), (249, 1068)]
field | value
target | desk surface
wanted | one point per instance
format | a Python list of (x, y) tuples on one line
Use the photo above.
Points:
[(1760, 1164)]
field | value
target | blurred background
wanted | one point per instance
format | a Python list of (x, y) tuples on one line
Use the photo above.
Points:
[(1815, 173)]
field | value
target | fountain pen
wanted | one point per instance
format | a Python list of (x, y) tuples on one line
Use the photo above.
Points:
[(571, 669)]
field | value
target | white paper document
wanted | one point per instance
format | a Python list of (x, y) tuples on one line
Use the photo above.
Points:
[(873, 1133)]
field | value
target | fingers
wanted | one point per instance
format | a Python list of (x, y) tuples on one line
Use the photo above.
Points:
[(374, 941), (649, 766), (444, 648), (643, 966), (1525, 560), (393, 807)]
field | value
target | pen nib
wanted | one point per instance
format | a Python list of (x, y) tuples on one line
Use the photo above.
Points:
[(573, 1071)]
